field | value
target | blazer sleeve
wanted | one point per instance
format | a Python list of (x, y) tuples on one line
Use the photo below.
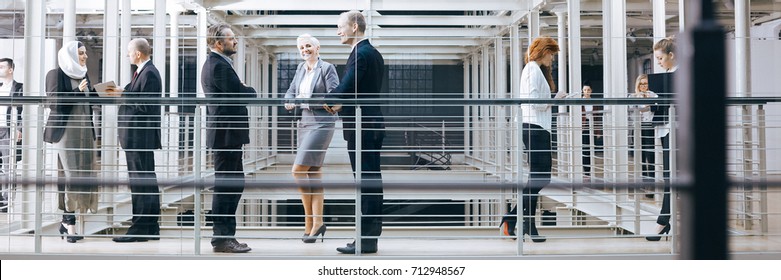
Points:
[(331, 78), (19, 92)]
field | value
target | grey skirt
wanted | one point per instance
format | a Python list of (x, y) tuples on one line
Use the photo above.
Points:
[(313, 140)]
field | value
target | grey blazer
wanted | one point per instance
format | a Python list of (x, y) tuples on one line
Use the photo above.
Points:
[(325, 80)]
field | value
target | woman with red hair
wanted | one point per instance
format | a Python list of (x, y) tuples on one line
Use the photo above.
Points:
[(536, 83)]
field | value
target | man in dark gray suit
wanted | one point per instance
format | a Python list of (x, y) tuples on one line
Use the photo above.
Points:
[(139, 136), (363, 80), (227, 130)]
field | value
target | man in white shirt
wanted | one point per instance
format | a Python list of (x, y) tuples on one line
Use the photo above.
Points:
[(8, 88)]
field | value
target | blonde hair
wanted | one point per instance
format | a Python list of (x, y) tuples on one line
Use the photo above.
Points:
[(306, 37), (637, 82), (667, 45)]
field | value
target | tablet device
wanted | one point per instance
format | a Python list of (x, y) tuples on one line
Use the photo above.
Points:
[(101, 89)]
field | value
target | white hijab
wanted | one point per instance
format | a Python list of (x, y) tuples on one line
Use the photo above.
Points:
[(68, 59)]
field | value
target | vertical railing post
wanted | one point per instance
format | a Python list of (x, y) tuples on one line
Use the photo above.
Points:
[(702, 88)]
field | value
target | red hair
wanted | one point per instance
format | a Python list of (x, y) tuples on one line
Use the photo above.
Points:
[(539, 48)]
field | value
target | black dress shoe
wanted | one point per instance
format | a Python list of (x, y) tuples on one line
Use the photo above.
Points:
[(350, 249), (155, 235), (125, 239), (230, 247)]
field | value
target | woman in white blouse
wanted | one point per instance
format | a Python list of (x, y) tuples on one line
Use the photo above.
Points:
[(536, 83), (314, 79), (664, 52), (646, 117)]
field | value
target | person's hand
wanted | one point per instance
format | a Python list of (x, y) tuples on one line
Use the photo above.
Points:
[(18, 135), (289, 106), (83, 85), (114, 91), (333, 109)]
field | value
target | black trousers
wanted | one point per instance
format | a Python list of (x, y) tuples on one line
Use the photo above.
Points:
[(228, 187), (647, 157), (145, 193), (664, 214), (371, 184), (537, 144), (586, 140)]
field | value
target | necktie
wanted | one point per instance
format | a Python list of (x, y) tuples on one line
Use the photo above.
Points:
[(135, 74)]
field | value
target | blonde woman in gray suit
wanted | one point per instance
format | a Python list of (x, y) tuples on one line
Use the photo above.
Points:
[(314, 79)]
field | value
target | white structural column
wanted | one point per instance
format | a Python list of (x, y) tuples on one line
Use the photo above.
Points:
[(485, 88), (742, 49), (534, 24), (682, 15), (475, 94), (274, 81), (660, 24), (562, 32), (500, 111), (615, 81), (35, 85), (573, 10), (240, 58), (126, 28), (467, 142), (114, 55), (201, 29), (254, 111), (173, 86), (515, 88), (69, 21), (158, 53), (270, 110), (199, 155), (177, 127), (515, 61), (743, 89)]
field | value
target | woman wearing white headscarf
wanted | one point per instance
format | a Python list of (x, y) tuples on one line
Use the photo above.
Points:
[(70, 129)]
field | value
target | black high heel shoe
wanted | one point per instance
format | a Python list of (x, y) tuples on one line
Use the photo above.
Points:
[(63, 231), (70, 238), (530, 228), (508, 224), (658, 237), (303, 238), (312, 238)]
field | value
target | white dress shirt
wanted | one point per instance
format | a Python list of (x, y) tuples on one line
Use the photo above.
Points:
[(534, 85), (305, 87)]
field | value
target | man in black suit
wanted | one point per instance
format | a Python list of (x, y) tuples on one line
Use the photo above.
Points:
[(227, 130), (363, 80), (139, 136), (8, 88)]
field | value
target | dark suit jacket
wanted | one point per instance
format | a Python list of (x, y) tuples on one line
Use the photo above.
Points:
[(58, 85), (227, 120), (16, 91), (324, 81), (662, 84), (362, 80), (139, 120)]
